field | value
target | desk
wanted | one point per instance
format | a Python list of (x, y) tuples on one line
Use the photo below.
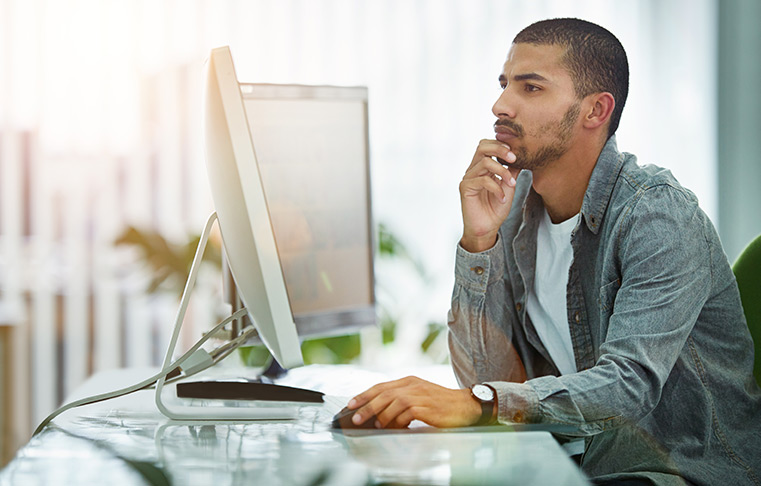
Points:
[(127, 441)]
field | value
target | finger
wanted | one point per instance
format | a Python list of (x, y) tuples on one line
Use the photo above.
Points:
[(403, 420), (360, 399), (493, 148), (388, 416), (507, 174), (487, 165), (508, 183), (510, 159), (474, 187), (373, 408), (514, 172), (377, 389), (366, 396), (392, 395)]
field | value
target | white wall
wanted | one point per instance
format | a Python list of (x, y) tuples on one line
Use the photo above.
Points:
[(739, 145)]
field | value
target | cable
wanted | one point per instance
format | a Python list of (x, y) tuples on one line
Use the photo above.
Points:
[(223, 351), (215, 356), (169, 369)]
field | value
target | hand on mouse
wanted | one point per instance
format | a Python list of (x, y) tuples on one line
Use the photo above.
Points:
[(397, 403)]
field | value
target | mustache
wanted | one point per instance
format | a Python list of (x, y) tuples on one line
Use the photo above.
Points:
[(514, 127)]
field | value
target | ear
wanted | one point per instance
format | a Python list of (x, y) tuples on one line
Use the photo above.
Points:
[(600, 108)]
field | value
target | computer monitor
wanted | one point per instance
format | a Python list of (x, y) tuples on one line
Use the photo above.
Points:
[(289, 173), (294, 215)]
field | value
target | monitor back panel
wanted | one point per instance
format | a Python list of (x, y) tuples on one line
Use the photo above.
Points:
[(311, 144)]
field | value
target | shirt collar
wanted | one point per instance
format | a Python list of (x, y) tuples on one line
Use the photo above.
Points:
[(601, 185)]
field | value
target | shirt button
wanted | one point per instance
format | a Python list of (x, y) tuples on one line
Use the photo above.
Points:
[(478, 270), (577, 317), (519, 306)]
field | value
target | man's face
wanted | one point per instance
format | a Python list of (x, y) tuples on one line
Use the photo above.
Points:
[(538, 108)]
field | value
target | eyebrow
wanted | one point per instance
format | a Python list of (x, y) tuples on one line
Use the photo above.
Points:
[(523, 77), (529, 76)]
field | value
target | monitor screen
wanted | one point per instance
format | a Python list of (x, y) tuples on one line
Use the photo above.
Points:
[(289, 173)]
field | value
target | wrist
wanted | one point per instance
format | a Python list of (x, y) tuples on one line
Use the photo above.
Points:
[(473, 408), (486, 398), (478, 244)]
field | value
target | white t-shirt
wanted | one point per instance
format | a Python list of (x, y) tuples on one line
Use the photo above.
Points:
[(546, 302)]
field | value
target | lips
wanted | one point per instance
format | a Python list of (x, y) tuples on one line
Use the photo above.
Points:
[(504, 134)]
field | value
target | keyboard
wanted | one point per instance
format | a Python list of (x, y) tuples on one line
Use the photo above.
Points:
[(247, 390)]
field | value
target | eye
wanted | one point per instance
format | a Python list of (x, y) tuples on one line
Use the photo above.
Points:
[(531, 88), (502, 84)]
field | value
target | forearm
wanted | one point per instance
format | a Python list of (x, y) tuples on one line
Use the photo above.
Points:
[(481, 321), (589, 402)]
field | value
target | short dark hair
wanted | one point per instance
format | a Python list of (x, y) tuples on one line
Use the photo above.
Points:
[(593, 56)]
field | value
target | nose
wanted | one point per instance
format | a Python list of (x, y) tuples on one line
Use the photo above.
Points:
[(504, 106)]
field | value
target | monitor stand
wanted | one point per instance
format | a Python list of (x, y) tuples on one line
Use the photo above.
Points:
[(209, 413), (273, 371)]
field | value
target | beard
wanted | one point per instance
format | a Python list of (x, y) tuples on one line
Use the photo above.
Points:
[(561, 130)]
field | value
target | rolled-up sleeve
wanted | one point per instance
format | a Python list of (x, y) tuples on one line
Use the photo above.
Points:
[(481, 320)]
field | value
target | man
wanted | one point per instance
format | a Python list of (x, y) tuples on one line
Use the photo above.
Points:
[(589, 291)]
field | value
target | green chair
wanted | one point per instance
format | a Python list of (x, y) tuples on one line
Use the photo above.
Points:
[(747, 269)]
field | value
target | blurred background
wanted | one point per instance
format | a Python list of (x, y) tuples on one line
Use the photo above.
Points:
[(103, 184)]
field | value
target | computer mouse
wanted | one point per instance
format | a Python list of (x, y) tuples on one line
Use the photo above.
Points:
[(342, 420)]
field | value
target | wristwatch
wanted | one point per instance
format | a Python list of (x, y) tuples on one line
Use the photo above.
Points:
[(487, 397)]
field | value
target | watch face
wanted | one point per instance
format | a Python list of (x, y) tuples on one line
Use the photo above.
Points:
[(483, 393)]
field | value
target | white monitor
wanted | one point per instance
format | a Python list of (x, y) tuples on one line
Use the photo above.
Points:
[(241, 207)]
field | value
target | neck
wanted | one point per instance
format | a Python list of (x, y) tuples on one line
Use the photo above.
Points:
[(562, 184)]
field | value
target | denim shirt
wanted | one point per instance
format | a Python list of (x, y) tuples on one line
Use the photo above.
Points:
[(664, 387)]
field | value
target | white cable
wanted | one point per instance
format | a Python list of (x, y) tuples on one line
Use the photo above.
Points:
[(221, 352), (143, 384), (198, 361), (215, 356)]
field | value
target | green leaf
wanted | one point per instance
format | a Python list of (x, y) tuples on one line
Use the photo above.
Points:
[(254, 356), (388, 244), (331, 350), (388, 328), (434, 330), (169, 262)]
